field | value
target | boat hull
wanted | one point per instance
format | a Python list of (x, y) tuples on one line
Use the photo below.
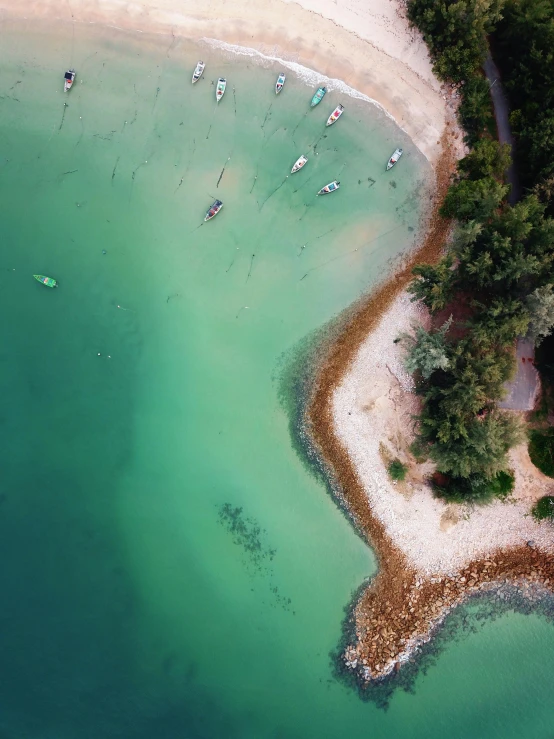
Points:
[(331, 187), (335, 115), (213, 211), (68, 82), (198, 72), (318, 97), (394, 159), (280, 83), (220, 89), (300, 162), (46, 281)]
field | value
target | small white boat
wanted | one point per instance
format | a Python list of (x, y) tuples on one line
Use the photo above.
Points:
[(280, 83), (331, 187), (198, 72), (299, 163), (335, 115), (220, 89), (394, 158), (214, 210), (68, 79)]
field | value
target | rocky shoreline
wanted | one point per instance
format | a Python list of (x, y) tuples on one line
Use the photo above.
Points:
[(404, 604), (398, 614)]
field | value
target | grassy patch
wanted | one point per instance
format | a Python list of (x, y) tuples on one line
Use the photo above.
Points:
[(544, 508), (397, 470), (541, 450)]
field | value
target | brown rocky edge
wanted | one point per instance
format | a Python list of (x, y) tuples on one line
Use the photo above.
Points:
[(400, 609)]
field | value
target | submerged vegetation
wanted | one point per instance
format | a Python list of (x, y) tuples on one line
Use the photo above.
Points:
[(495, 281)]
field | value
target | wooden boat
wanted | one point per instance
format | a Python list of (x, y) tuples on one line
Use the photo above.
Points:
[(299, 163), (48, 281), (280, 83), (198, 72), (220, 89), (394, 158), (331, 187), (335, 115), (318, 97), (214, 210), (68, 79)]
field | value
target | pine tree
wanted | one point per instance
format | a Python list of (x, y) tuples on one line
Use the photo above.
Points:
[(427, 350), (540, 304), (436, 284)]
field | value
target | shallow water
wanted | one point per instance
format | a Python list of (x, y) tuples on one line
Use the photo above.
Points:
[(171, 567)]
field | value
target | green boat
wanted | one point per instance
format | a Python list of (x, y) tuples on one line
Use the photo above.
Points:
[(318, 97), (48, 281)]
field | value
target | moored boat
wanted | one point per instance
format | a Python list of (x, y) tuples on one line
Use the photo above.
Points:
[(280, 83), (299, 163), (214, 210), (198, 72), (48, 281), (394, 158), (318, 97), (68, 79), (220, 89), (335, 115), (331, 187)]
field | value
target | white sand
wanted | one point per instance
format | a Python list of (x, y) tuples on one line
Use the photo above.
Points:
[(366, 43), (374, 405)]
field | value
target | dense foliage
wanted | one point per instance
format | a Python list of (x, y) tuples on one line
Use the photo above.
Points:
[(496, 278), (541, 450), (455, 31), (524, 48), (476, 489), (544, 508)]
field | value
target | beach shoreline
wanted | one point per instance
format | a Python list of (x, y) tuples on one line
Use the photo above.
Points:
[(432, 556), (367, 49)]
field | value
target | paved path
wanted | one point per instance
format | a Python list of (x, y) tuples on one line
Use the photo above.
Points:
[(502, 115), (522, 391)]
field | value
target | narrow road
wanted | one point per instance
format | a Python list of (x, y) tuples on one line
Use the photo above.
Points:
[(523, 390), (502, 113)]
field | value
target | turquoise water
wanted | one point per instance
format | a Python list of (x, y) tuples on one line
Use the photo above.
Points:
[(171, 567)]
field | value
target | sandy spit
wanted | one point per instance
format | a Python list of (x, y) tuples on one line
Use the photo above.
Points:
[(432, 556)]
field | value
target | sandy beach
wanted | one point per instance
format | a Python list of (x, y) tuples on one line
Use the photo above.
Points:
[(370, 46), (373, 409)]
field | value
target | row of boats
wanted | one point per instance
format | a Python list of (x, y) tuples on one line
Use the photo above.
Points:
[(281, 78), (301, 162)]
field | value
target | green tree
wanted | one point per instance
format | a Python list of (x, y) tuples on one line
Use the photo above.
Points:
[(500, 322), (435, 284), (456, 32), (475, 111), (540, 304), (482, 449), (476, 200), (487, 159), (427, 350)]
